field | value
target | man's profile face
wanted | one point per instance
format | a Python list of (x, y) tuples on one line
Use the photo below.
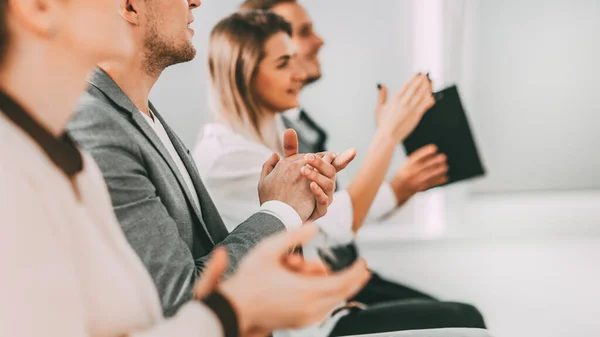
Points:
[(307, 42)]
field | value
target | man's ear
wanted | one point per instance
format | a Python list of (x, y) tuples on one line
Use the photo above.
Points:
[(130, 10), (42, 17)]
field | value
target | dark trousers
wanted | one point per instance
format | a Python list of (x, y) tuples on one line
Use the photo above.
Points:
[(394, 307), (409, 315), (379, 290)]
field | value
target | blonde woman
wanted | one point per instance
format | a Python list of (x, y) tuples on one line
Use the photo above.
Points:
[(255, 76)]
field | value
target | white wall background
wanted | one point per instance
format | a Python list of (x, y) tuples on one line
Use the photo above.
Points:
[(364, 45), (536, 94), (528, 260), (524, 287), (528, 74)]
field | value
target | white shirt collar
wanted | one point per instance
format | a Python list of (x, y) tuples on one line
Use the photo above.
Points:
[(151, 119)]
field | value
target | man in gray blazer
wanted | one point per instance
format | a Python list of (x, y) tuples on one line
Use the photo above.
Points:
[(156, 191)]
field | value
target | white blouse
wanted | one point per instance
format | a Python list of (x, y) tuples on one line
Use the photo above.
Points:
[(67, 269), (230, 165)]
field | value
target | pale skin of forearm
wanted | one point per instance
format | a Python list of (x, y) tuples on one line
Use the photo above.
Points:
[(371, 175)]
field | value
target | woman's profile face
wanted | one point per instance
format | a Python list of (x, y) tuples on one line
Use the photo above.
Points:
[(279, 78)]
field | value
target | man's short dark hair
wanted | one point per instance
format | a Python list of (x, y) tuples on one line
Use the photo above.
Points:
[(264, 5)]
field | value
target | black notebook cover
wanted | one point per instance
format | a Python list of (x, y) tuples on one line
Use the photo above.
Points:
[(446, 126)]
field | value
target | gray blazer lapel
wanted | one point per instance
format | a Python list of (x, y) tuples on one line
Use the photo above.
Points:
[(104, 83), (142, 124)]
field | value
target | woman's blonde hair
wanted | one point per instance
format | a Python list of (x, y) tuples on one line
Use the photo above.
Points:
[(235, 52)]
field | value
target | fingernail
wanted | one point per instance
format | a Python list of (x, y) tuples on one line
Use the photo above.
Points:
[(378, 86), (310, 157)]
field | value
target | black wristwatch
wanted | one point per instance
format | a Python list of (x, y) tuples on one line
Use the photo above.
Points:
[(225, 312)]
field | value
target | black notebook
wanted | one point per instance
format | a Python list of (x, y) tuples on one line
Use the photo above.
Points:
[(446, 126)]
